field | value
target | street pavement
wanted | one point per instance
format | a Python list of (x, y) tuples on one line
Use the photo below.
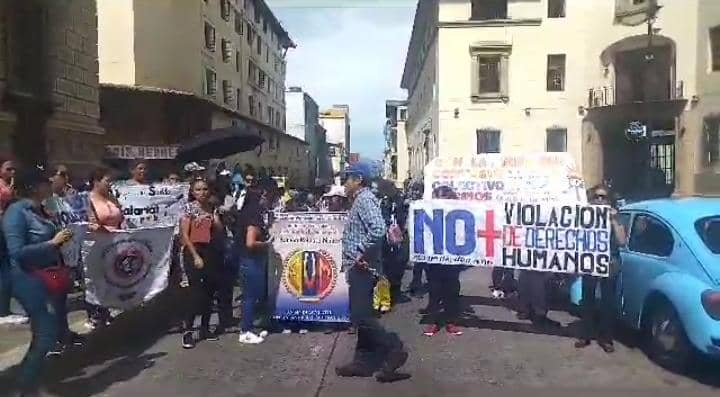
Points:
[(140, 355)]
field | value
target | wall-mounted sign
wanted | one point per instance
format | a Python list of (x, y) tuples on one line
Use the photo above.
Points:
[(636, 130), (130, 152)]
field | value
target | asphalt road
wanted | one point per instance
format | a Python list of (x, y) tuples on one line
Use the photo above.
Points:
[(497, 354)]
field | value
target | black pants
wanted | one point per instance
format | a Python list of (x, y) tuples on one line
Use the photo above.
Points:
[(372, 336), (418, 269), (532, 294), (204, 284), (503, 279), (444, 296), (598, 316)]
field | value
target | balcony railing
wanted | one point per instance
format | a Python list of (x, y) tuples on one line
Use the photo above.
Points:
[(605, 96)]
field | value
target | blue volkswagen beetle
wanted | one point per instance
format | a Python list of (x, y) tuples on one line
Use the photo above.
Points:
[(669, 284)]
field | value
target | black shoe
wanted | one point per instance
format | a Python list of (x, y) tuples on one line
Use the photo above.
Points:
[(354, 369), (188, 340), (543, 321), (211, 336), (389, 377), (582, 343), (523, 316), (607, 347), (394, 360), (77, 339), (57, 350)]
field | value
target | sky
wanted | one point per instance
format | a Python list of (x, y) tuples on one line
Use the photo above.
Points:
[(349, 52)]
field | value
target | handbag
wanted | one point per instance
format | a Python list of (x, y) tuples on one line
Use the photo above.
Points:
[(57, 279)]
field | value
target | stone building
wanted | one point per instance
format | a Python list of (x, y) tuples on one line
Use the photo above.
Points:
[(49, 106), (223, 60), (629, 90)]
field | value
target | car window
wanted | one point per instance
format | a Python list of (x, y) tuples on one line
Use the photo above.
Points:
[(650, 236), (709, 231), (624, 220)]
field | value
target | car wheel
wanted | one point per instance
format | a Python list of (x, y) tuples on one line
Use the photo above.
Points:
[(668, 343)]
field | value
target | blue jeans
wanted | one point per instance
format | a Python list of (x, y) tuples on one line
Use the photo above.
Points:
[(5, 288), (253, 275), (45, 320)]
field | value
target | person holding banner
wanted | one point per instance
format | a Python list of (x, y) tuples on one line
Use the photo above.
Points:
[(138, 173), (251, 243), (202, 236), (104, 215), (362, 241), (40, 281), (598, 316), (7, 194)]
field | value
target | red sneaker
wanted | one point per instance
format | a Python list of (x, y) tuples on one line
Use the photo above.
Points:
[(431, 330), (453, 329)]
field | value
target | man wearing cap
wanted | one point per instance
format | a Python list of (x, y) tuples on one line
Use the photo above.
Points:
[(362, 241), (193, 171)]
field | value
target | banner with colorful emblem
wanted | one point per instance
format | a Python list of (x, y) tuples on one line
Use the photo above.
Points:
[(125, 268), (308, 261)]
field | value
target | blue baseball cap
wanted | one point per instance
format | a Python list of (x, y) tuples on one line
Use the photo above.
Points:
[(359, 169)]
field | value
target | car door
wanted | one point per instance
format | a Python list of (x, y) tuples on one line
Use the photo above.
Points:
[(646, 256)]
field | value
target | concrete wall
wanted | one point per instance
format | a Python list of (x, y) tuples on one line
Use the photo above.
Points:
[(295, 114)]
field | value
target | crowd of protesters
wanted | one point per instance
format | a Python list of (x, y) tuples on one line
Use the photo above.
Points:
[(224, 238)]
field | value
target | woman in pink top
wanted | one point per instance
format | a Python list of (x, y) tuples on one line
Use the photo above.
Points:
[(105, 213), (7, 181)]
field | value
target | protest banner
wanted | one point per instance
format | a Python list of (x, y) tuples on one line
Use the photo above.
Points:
[(308, 253), (539, 177), (72, 250), (125, 268), (160, 204), (573, 238), (65, 210)]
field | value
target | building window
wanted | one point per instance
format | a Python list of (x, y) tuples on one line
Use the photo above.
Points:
[(267, 53), (257, 15), (556, 140), (209, 37), (237, 61), (271, 115), (239, 24), (259, 45), (715, 47), (225, 9), (251, 105), (238, 95), (638, 2), (265, 26), (252, 72), (226, 50), (488, 141), (227, 92), (277, 118), (489, 80), (250, 35), (210, 82), (556, 8), (712, 141), (261, 79), (489, 9), (556, 72)]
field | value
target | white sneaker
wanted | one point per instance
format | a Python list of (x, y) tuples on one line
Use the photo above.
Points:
[(250, 338), (13, 319), (287, 331), (498, 294), (303, 331), (263, 334)]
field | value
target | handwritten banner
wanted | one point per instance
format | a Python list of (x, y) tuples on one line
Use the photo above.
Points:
[(72, 208), (151, 205), (573, 238), (541, 177), (308, 248)]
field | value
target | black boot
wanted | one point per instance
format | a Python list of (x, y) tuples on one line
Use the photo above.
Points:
[(355, 369), (394, 360)]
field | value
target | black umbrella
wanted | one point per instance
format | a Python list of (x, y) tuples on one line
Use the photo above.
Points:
[(218, 143)]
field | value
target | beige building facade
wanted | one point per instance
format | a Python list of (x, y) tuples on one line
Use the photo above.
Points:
[(336, 122), (226, 53), (580, 76)]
